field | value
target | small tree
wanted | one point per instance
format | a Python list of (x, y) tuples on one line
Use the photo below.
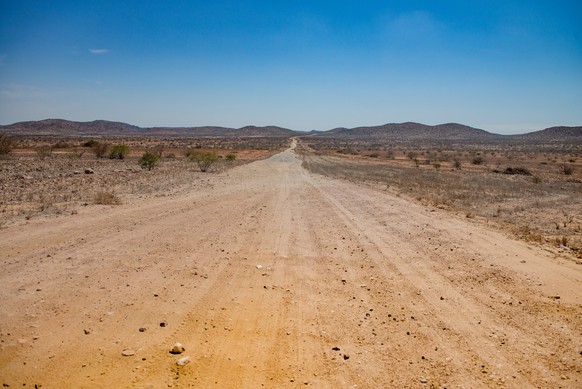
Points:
[(149, 160), (7, 144), (119, 151), (204, 159)]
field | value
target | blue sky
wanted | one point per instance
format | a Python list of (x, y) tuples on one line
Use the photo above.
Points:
[(507, 67)]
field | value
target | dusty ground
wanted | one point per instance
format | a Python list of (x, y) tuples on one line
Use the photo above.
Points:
[(274, 277), (544, 207)]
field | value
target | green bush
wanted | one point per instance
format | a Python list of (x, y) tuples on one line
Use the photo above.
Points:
[(119, 151), (149, 160), (204, 159), (231, 157)]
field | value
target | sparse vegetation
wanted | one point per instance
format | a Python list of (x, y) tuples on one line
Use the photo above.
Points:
[(149, 160), (119, 151), (230, 157), (478, 160), (566, 169), (44, 152), (90, 143), (34, 188), (106, 198), (517, 170), (515, 202), (7, 144), (100, 149), (204, 159)]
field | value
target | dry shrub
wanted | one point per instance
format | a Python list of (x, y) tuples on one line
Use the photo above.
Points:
[(107, 198), (566, 169), (44, 152), (7, 144)]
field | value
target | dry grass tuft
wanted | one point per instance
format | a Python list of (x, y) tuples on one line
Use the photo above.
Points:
[(107, 198)]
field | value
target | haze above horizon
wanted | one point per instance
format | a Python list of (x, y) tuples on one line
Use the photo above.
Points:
[(505, 67)]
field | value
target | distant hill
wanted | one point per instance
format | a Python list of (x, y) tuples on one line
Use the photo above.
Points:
[(59, 127), (554, 134), (410, 131)]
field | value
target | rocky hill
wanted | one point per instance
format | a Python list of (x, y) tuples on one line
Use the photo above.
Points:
[(410, 131), (59, 127), (554, 134)]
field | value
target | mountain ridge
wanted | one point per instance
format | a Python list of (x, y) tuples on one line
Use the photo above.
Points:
[(388, 131), (61, 127)]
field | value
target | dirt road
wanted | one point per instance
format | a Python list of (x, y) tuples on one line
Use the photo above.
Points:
[(271, 277)]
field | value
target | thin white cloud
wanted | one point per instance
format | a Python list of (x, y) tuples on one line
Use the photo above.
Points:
[(98, 51), (16, 91)]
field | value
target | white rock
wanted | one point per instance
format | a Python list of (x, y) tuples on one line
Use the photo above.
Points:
[(128, 353), (182, 361), (259, 266)]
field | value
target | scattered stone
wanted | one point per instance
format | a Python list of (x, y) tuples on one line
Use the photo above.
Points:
[(177, 348), (163, 324), (128, 353), (89, 171), (336, 349), (423, 380), (87, 331), (346, 357), (259, 266), (142, 329), (182, 361)]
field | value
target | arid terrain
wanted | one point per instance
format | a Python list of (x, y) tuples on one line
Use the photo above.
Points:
[(274, 275)]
